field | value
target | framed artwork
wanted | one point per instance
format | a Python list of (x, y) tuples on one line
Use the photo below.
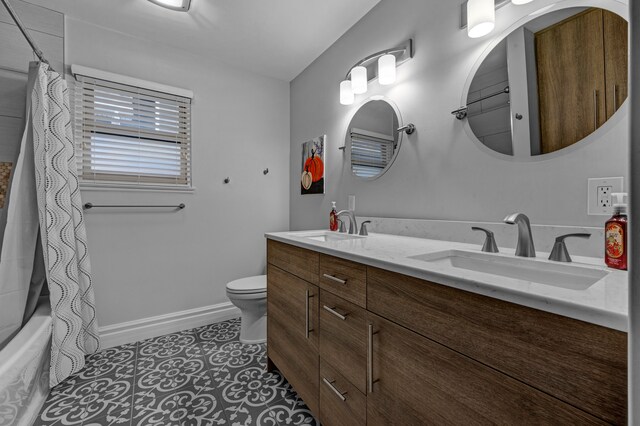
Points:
[(312, 179)]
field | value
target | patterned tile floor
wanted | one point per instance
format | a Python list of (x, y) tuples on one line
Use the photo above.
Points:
[(198, 377)]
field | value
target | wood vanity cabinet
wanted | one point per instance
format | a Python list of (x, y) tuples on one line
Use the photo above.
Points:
[(388, 349)]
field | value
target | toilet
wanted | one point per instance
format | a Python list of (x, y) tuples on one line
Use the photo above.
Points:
[(250, 296)]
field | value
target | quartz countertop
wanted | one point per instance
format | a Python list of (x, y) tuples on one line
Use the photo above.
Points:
[(603, 303)]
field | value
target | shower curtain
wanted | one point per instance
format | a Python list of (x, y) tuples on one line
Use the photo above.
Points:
[(18, 236), (62, 228)]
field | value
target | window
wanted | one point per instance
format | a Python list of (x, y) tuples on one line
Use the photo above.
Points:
[(371, 152), (131, 136)]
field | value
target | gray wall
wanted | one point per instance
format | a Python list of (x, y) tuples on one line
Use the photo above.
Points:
[(47, 29), (441, 172), (148, 264)]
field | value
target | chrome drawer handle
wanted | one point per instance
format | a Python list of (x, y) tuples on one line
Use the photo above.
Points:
[(370, 380), (336, 313), (307, 321), (334, 389), (336, 279)]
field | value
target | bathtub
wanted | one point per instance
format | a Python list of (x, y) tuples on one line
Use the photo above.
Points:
[(24, 370)]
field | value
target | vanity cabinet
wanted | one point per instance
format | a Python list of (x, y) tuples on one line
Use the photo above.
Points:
[(580, 363), (382, 348)]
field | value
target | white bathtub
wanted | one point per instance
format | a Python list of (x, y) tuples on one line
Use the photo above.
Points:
[(24, 370)]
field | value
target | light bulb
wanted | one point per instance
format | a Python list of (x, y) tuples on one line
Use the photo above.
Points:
[(481, 17), (346, 93), (518, 2), (359, 80), (387, 69)]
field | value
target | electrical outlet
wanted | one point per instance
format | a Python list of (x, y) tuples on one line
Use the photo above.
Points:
[(599, 201), (604, 196)]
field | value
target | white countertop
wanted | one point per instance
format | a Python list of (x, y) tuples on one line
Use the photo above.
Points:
[(604, 303)]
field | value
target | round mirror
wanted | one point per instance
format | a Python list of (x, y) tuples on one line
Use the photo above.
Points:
[(373, 138), (550, 83)]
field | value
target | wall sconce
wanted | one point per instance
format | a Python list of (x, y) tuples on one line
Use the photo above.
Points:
[(179, 5), (478, 16), (381, 65)]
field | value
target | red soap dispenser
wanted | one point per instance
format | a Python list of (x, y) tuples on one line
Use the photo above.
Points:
[(615, 234), (333, 217)]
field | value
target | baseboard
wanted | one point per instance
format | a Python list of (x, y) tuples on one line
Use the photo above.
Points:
[(145, 328)]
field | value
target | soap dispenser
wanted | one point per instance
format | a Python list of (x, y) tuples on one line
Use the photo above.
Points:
[(615, 234), (333, 217)]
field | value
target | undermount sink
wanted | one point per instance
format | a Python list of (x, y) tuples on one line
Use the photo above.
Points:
[(539, 272), (324, 236)]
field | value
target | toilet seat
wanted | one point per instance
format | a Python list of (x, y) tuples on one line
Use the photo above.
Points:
[(249, 285)]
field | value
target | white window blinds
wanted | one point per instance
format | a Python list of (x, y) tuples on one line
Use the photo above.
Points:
[(370, 152), (131, 136)]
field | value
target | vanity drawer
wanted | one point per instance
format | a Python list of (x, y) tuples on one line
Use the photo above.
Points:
[(344, 278), (341, 403), (343, 334), (297, 261), (580, 363)]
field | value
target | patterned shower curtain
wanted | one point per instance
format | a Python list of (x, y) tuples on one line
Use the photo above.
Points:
[(62, 228)]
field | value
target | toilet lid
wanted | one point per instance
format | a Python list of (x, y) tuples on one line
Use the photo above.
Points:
[(255, 284)]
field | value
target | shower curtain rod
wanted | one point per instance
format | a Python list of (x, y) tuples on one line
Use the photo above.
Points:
[(25, 33)]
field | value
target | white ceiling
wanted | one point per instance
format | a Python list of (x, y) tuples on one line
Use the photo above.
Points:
[(276, 38)]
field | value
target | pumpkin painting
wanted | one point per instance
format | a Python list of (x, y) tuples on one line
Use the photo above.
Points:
[(315, 166), (312, 178)]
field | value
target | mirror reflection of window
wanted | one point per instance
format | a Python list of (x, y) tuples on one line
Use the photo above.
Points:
[(373, 139), (567, 75)]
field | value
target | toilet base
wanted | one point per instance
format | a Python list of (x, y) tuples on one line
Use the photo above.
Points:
[(253, 328)]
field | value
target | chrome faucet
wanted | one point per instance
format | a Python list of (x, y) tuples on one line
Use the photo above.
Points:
[(525, 246), (353, 224)]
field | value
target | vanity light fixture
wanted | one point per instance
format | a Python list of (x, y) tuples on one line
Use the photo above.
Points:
[(179, 5), (347, 97), (481, 17), (387, 69), (381, 65), (359, 80)]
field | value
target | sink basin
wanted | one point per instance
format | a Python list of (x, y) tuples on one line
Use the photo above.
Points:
[(561, 275), (324, 236)]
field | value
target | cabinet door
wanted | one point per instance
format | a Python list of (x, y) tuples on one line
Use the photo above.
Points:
[(571, 80), (292, 332), (616, 54), (417, 381)]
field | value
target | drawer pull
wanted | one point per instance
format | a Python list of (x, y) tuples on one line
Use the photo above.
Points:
[(306, 325), (336, 313), (370, 380), (336, 279), (334, 389)]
